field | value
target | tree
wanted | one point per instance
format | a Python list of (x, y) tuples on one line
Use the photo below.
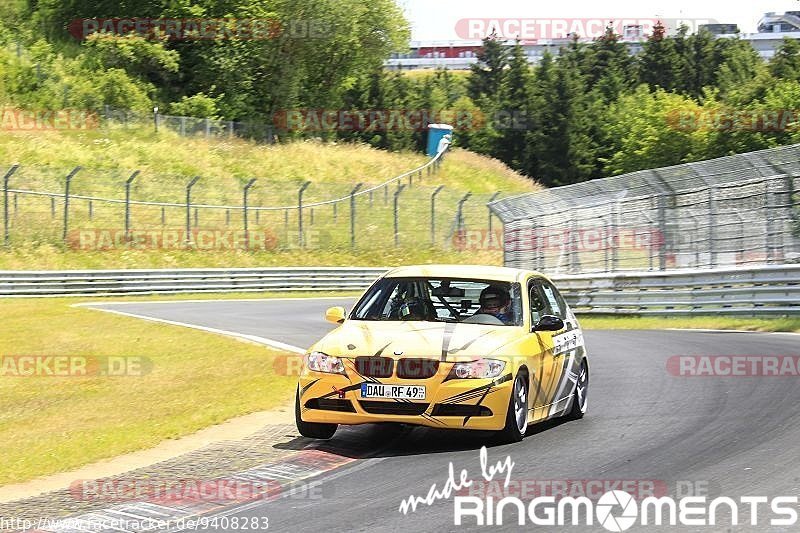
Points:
[(785, 64), (511, 119), (700, 63), (562, 150), (659, 62), (487, 73), (740, 65), (608, 67), (653, 129)]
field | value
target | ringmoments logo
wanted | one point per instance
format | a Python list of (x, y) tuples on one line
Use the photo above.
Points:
[(617, 510)]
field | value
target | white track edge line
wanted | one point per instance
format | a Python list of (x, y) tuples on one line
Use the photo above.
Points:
[(260, 340), (703, 330)]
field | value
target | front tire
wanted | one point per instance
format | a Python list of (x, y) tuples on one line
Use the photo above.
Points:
[(312, 430), (579, 404), (517, 413)]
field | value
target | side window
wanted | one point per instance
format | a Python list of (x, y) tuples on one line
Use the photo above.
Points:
[(539, 305), (554, 299)]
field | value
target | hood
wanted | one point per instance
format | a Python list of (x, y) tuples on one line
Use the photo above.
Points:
[(415, 339)]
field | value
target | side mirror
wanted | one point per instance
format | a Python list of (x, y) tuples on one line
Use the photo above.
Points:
[(335, 315), (549, 323)]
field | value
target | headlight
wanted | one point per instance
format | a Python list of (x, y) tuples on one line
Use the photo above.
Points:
[(321, 362), (482, 368)]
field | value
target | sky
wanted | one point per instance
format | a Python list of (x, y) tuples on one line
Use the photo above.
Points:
[(436, 19)]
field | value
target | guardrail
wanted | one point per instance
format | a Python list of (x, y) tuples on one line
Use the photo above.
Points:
[(214, 280), (771, 289)]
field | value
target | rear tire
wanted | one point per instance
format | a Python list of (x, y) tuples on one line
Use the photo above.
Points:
[(312, 430), (517, 413), (579, 404)]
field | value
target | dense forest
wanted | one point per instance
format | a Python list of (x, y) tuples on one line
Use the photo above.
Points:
[(590, 110), (594, 110)]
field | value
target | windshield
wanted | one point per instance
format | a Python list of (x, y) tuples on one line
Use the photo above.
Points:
[(470, 301)]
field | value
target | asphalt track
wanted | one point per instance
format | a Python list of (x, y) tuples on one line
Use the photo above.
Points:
[(733, 436)]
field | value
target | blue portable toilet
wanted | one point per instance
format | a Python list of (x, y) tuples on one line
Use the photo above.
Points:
[(437, 132)]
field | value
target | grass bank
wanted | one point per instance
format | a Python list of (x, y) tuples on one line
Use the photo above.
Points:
[(174, 382)]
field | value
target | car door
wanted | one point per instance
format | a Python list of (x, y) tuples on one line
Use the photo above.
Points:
[(544, 381), (567, 349)]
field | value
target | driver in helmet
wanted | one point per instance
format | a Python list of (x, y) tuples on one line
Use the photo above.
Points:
[(495, 301)]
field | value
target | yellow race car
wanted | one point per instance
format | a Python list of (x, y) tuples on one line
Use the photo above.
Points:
[(467, 347)]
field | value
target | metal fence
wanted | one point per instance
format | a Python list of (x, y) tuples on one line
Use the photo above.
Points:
[(768, 290), (735, 210), (258, 131), (100, 210)]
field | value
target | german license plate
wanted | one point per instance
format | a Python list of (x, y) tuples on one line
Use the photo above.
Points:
[(397, 392)]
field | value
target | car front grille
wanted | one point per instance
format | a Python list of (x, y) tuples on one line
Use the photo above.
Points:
[(417, 368), (394, 408), (375, 367)]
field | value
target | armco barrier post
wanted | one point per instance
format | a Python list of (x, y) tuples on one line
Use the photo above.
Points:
[(615, 210), (712, 223), (768, 249), (353, 214), (662, 229), (244, 212), (433, 213), (492, 199), (67, 183), (460, 213), (400, 188), (189, 208), (6, 177), (301, 240), (127, 205)]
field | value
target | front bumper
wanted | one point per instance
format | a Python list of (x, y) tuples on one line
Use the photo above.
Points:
[(479, 404)]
